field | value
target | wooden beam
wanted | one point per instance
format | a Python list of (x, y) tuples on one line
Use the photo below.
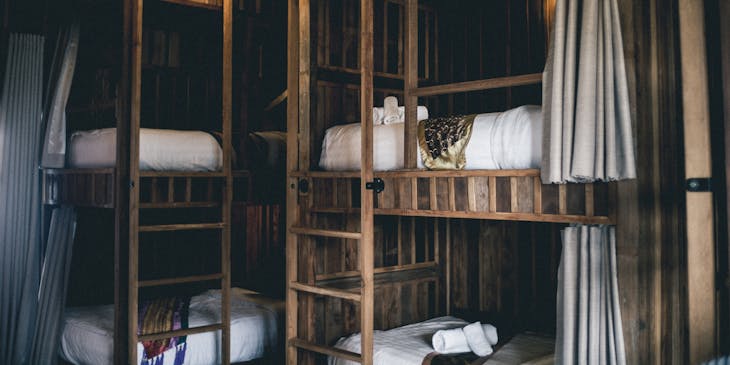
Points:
[(292, 164), (698, 164), (411, 83), (227, 119), (367, 246), (133, 183), (477, 85)]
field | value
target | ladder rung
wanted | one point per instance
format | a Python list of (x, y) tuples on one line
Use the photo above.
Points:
[(175, 205), (327, 350), (337, 293), (325, 233), (181, 227), (181, 332), (180, 280)]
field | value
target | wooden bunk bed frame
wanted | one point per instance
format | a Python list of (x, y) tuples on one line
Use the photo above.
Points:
[(127, 190), (481, 194)]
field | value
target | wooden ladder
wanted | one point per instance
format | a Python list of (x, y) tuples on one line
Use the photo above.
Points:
[(298, 231), (133, 14)]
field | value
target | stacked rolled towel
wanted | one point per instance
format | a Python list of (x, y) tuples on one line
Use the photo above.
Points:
[(391, 113), (476, 337)]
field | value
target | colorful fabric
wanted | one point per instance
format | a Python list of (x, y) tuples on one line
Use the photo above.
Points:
[(443, 141), (163, 315)]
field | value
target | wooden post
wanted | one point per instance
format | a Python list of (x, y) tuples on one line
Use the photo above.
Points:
[(226, 115), (121, 195), (292, 165), (367, 250), (698, 164), (133, 183), (411, 83)]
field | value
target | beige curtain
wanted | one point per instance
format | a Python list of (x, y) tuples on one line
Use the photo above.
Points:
[(587, 131), (589, 330)]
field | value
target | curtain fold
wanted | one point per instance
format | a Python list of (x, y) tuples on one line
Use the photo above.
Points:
[(587, 132), (589, 329), (53, 286), (20, 213), (61, 76)]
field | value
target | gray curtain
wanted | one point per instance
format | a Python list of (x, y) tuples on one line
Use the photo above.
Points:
[(61, 75), (589, 329), (587, 123), (53, 286), (20, 223)]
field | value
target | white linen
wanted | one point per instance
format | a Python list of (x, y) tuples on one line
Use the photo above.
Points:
[(406, 345), (159, 150), (477, 340), (409, 345), (88, 332), (379, 115), (504, 140)]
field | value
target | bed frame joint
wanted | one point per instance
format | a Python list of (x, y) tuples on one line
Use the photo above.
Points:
[(377, 184)]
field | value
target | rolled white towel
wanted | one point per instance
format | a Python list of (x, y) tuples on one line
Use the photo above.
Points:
[(378, 115), (421, 114), (477, 339), (491, 333), (451, 341), (390, 104)]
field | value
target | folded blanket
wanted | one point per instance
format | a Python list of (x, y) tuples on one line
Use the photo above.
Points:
[(443, 141), (379, 115), (451, 341), (477, 340), (162, 315)]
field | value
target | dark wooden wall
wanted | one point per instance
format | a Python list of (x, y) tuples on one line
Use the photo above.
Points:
[(651, 233)]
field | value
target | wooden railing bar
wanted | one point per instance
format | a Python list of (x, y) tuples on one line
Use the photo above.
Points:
[(537, 191), (318, 290), (590, 207), (563, 199), (326, 233), (181, 332), (472, 194), (452, 194), (492, 194), (180, 280), (514, 205), (181, 227), (378, 270), (477, 85), (433, 203)]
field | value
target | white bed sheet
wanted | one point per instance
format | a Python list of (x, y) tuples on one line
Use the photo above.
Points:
[(406, 345), (159, 150), (88, 332), (504, 140), (409, 345)]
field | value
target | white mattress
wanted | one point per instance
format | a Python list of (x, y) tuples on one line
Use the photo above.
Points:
[(88, 332), (409, 345), (159, 150), (505, 140)]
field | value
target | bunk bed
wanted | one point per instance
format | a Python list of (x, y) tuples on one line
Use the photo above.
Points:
[(330, 208), (145, 175)]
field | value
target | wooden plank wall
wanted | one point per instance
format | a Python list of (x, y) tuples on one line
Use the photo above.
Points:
[(651, 233)]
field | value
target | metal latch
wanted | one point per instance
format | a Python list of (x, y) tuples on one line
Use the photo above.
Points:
[(698, 184), (377, 184)]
